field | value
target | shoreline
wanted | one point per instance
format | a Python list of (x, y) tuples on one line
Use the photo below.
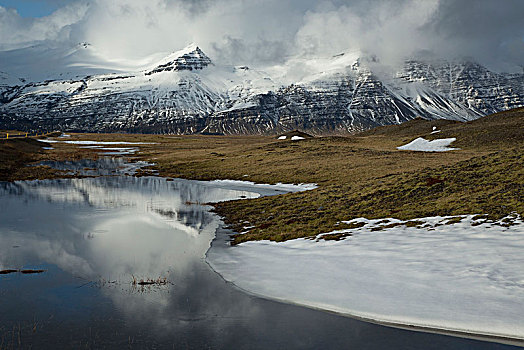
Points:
[(301, 203), (221, 235), (497, 338)]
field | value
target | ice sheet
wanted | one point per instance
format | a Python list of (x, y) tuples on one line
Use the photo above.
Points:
[(467, 276)]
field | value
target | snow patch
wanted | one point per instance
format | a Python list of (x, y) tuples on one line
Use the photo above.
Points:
[(117, 151), (422, 145), (279, 186), (296, 138), (241, 105), (282, 137), (466, 276)]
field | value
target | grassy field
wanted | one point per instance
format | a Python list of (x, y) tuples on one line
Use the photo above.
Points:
[(16, 154), (361, 175)]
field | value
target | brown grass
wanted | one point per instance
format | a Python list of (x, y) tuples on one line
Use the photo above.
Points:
[(17, 154), (363, 175)]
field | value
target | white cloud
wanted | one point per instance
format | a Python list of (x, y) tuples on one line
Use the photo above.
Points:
[(16, 30), (246, 30), (262, 31)]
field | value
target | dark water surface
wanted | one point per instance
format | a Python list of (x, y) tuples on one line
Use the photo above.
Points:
[(95, 236)]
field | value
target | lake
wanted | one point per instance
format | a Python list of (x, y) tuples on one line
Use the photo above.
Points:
[(119, 261)]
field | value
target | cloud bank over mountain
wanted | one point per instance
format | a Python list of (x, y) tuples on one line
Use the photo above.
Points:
[(257, 32)]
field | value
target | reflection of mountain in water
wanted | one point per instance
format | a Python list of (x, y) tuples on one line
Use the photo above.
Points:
[(101, 166), (112, 229), (113, 226)]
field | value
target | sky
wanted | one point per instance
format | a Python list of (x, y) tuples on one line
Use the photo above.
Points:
[(270, 31), (32, 8)]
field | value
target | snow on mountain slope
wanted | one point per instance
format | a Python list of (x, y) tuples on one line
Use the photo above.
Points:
[(468, 84), (184, 92), (46, 62)]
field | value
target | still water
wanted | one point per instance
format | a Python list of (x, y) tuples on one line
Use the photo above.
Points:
[(97, 238)]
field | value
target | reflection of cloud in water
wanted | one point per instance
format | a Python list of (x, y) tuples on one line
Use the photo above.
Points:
[(199, 301), (146, 247), (111, 228), (34, 249), (114, 228)]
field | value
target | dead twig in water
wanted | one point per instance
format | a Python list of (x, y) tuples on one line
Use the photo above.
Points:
[(26, 272), (158, 282)]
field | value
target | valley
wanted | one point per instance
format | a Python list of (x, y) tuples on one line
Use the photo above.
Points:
[(278, 174), (361, 175), (370, 199)]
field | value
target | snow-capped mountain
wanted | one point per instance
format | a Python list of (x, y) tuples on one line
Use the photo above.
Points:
[(186, 93)]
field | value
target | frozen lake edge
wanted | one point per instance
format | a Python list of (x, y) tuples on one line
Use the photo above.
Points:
[(240, 265)]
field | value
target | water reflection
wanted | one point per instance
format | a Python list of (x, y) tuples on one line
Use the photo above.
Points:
[(109, 227), (94, 235), (101, 166)]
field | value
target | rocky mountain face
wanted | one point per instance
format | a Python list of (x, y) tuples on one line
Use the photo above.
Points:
[(186, 93), (193, 59), (469, 84)]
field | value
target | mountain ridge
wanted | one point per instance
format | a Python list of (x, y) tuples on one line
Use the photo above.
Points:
[(186, 93)]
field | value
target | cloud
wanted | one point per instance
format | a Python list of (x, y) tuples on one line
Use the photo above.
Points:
[(489, 31), (386, 29), (269, 31), (229, 30), (16, 30)]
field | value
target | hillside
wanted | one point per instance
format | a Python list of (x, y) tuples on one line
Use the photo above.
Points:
[(365, 176), (496, 130)]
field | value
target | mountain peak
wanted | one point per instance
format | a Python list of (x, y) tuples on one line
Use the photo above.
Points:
[(190, 58), (190, 48)]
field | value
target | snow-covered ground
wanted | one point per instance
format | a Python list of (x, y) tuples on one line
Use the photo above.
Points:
[(276, 187), (466, 276), (422, 145), (108, 151)]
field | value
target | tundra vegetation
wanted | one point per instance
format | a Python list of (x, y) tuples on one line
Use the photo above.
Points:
[(362, 175)]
